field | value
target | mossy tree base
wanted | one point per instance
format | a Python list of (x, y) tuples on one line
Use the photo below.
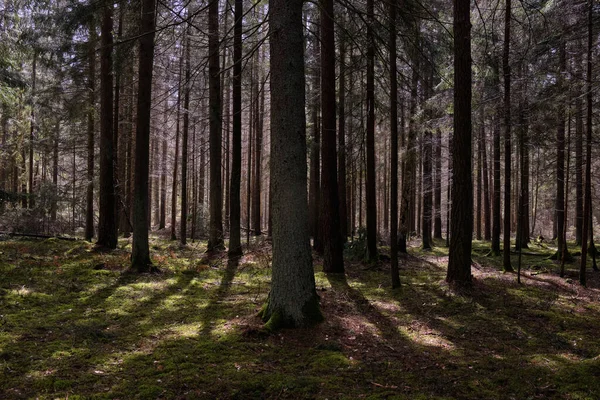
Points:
[(278, 317)]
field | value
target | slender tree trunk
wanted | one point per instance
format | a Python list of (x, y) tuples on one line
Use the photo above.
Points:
[(258, 134), (140, 251), (560, 156), (235, 243), (32, 130), (478, 215), (497, 193), (107, 226), (176, 158), (163, 187), (587, 206), (184, 142), (116, 123), (523, 207), (315, 154), (371, 177), (342, 187), (437, 221), (215, 240), (461, 225), (333, 260), (506, 265), (486, 189), (408, 173), (89, 210), (578, 149), (54, 205), (393, 147), (293, 300)]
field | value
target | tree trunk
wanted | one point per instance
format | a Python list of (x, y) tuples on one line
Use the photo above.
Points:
[(437, 221), (258, 134), (293, 300), (578, 148), (89, 209), (560, 156), (523, 221), (486, 185), (315, 154), (393, 148), (371, 178), (408, 171), (176, 158), (342, 188), (32, 131), (235, 243), (506, 265), (184, 142), (587, 206), (461, 225), (107, 226), (215, 240), (163, 187), (333, 260), (140, 252)]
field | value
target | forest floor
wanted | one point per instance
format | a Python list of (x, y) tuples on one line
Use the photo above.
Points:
[(73, 325)]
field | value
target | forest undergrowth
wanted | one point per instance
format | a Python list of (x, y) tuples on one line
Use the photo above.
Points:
[(75, 324)]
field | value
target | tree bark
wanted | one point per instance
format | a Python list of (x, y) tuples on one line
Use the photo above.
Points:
[(215, 240), (293, 300), (371, 199), (395, 274), (461, 225), (342, 187), (140, 251), (333, 260), (506, 265), (107, 226), (184, 142), (89, 210), (315, 153), (560, 156), (235, 243), (587, 206)]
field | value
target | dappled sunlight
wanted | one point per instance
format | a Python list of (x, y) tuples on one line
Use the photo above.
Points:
[(424, 335)]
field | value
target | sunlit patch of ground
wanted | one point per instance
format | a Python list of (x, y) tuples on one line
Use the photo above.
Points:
[(73, 323)]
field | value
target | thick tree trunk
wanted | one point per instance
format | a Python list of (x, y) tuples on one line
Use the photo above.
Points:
[(215, 240), (293, 300), (371, 176), (235, 243), (89, 209), (107, 226), (140, 252), (461, 225), (333, 259)]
